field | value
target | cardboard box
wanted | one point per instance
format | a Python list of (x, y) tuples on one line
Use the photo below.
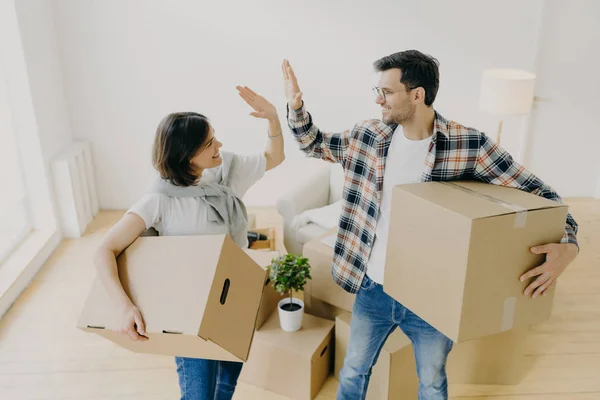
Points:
[(494, 360), (325, 298), (319, 308), (293, 364), (199, 297), (456, 251), (394, 376)]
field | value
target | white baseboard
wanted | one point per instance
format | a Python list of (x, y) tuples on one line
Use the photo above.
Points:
[(20, 268)]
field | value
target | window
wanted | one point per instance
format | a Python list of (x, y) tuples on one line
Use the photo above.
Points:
[(14, 211)]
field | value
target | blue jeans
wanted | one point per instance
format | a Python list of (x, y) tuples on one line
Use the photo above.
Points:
[(201, 379), (375, 315)]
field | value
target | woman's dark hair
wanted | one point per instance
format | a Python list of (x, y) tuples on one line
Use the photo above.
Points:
[(418, 70), (178, 139)]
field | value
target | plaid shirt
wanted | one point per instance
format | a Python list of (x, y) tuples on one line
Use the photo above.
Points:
[(455, 153)]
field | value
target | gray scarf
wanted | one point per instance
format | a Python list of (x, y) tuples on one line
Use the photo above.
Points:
[(223, 205)]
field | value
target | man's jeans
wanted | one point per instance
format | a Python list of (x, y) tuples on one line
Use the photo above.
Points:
[(374, 317), (201, 379)]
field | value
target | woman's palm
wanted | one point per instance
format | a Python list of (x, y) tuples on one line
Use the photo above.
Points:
[(262, 107)]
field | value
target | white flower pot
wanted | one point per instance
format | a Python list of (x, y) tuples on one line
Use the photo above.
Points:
[(290, 321)]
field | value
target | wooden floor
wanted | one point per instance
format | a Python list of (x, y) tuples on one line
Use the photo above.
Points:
[(43, 355)]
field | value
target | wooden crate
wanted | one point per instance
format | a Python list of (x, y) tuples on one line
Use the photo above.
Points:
[(269, 244)]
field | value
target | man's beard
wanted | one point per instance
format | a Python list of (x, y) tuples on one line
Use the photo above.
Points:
[(400, 117)]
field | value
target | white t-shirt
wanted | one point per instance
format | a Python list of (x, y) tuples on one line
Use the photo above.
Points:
[(178, 216), (405, 164)]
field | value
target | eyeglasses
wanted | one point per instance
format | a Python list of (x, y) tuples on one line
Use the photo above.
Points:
[(379, 92)]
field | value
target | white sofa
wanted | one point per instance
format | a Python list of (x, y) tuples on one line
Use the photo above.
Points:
[(321, 189)]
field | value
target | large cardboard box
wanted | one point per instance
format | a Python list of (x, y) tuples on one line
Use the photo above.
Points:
[(199, 297), (293, 364), (456, 251), (322, 296), (494, 360)]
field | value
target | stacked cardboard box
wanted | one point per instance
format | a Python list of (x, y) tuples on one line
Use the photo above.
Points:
[(293, 364)]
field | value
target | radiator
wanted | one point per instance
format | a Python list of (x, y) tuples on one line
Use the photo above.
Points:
[(75, 189)]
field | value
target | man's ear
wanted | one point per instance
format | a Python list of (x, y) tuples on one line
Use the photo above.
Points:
[(418, 95)]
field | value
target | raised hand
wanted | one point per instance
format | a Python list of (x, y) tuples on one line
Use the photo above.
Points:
[(262, 108), (292, 91)]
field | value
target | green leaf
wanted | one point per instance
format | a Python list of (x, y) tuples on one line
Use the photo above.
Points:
[(289, 272)]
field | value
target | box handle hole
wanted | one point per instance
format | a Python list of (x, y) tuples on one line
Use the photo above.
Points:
[(225, 291)]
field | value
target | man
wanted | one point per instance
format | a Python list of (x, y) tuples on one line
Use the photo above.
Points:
[(411, 143)]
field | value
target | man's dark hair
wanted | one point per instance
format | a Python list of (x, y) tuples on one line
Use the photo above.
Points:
[(418, 70), (178, 139)]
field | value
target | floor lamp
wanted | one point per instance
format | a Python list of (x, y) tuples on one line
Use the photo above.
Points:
[(506, 92)]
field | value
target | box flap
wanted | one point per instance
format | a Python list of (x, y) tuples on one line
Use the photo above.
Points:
[(234, 300), (168, 278), (262, 258), (477, 199), (270, 297)]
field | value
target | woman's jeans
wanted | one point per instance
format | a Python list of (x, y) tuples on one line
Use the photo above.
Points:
[(201, 379)]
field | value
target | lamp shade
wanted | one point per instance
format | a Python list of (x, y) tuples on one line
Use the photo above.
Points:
[(506, 91)]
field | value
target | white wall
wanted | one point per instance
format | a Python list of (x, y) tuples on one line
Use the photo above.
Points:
[(564, 135), (127, 63)]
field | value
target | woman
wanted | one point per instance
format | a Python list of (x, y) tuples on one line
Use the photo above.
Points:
[(187, 155)]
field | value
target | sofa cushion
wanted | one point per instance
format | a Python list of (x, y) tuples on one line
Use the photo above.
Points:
[(326, 217)]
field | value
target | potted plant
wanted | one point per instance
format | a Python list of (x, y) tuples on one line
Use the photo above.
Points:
[(288, 273)]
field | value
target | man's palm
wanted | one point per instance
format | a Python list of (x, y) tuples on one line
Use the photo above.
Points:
[(293, 94)]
